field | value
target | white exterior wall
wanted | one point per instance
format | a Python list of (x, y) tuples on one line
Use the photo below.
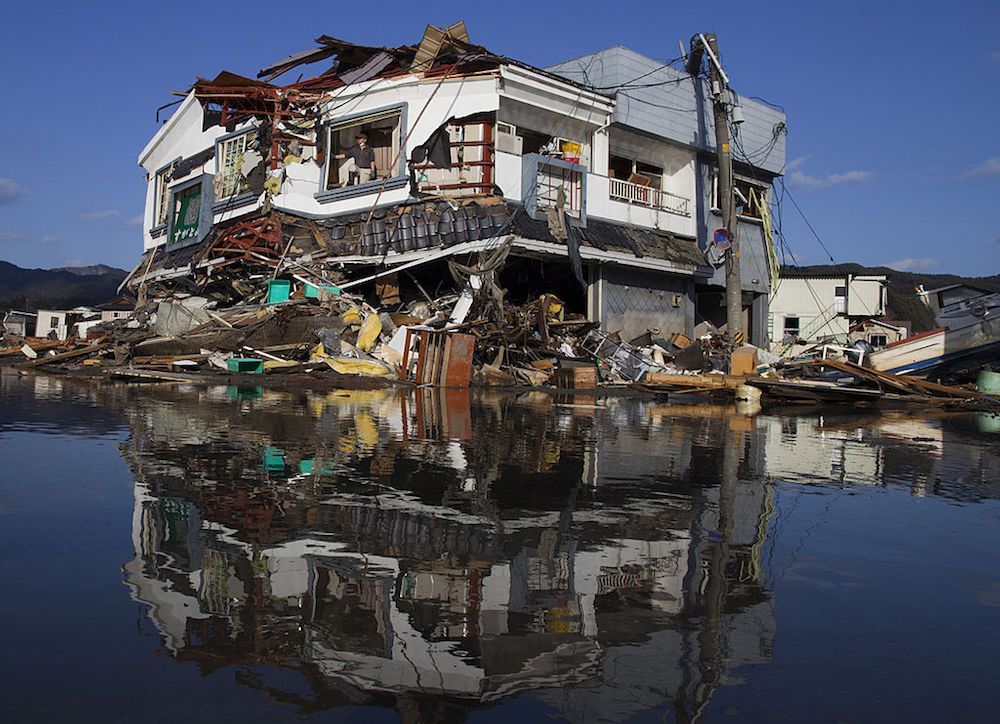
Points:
[(679, 171), (44, 324), (597, 143), (180, 137), (814, 302), (866, 296), (821, 313), (455, 98), (518, 96)]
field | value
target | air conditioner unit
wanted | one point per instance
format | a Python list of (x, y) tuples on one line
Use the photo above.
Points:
[(507, 139)]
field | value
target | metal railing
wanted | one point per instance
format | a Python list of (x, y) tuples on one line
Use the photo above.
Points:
[(621, 190)]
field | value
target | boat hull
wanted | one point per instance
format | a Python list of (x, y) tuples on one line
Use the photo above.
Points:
[(942, 352)]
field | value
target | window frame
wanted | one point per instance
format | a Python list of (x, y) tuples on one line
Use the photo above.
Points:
[(786, 331), (713, 194), (399, 177), (659, 174), (161, 198), (221, 142)]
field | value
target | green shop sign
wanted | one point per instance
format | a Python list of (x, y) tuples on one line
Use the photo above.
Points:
[(187, 214)]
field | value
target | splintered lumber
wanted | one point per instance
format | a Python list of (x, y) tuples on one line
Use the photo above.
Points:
[(72, 354), (714, 382), (37, 346), (901, 383), (132, 373)]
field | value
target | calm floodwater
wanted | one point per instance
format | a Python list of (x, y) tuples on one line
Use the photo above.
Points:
[(173, 553)]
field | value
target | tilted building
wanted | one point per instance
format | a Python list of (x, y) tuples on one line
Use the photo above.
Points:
[(577, 180)]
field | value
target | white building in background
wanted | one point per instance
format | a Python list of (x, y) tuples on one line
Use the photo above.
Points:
[(19, 323), (65, 323), (805, 309)]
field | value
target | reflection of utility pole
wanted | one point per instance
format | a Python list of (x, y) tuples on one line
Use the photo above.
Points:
[(727, 201), (711, 660)]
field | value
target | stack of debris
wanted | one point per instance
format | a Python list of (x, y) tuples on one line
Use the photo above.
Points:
[(245, 317)]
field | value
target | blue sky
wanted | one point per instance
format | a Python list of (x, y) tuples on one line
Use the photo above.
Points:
[(892, 107)]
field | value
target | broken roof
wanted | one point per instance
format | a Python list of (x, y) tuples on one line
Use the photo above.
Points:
[(439, 51)]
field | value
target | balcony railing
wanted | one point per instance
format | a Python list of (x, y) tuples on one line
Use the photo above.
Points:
[(631, 193)]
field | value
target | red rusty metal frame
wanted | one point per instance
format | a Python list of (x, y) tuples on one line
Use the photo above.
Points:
[(246, 237)]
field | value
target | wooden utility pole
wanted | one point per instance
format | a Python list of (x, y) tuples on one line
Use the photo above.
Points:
[(727, 201)]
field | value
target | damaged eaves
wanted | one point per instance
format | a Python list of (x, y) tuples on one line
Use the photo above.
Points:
[(378, 237)]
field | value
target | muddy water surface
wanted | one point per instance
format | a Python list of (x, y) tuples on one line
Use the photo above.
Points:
[(173, 553)]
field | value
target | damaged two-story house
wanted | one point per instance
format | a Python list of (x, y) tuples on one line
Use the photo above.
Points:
[(564, 181)]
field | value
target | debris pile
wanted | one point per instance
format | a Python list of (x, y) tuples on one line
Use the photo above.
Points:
[(252, 316), (398, 333)]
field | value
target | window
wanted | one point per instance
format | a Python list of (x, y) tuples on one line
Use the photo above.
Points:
[(750, 197), (878, 340), (471, 156), (230, 162), (638, 172), (383, 137), (187, 214), (161, 210), (791, 327), (53, 322)]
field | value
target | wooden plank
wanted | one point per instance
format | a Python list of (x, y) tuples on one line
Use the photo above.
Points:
[(72, 354), (904, 383), (459, 369), (660, 379)]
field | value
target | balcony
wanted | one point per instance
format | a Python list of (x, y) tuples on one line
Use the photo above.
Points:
[(633, 193), (544, 177)]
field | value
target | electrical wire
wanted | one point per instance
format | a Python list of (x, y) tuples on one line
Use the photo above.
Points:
[(802, 214)]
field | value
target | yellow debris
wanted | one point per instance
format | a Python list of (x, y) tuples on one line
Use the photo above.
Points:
[(352, 366), (352, 316), (369, 333)]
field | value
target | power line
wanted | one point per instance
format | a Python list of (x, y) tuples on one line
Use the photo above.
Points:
[(795, 204)]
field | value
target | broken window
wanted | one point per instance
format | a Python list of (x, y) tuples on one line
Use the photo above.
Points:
[(231, 162), (638, 182), (161, 211), (634, 171), (750, 197), (383, 138), (187, 214), (522, 141), (551, 180), (532, 141), (470, 152), (840, 299), (791, 327)]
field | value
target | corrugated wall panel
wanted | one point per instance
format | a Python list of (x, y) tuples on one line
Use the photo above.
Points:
[(672, 110)]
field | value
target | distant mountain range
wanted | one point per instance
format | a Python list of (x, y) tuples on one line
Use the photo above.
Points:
[(903, 304), (90, 271), (31, 289)]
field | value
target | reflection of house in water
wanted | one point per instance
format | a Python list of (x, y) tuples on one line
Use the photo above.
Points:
[(373, 543), (929, 454)]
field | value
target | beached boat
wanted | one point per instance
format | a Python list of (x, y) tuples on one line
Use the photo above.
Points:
[(967, 338)]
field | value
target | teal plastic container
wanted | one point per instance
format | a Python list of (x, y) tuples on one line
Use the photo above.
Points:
[(312, 292), (278, 291), (274, 459), (246, 365)]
